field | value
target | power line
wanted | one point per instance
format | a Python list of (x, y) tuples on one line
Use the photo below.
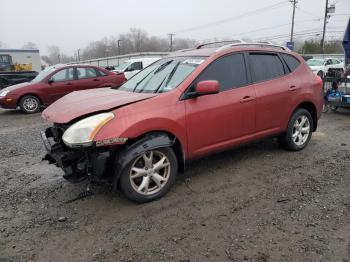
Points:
[(250, 13), (264, 28)]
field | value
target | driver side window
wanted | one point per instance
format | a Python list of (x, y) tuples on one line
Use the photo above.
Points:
[(135, 66), (229, 71), (63, 75)]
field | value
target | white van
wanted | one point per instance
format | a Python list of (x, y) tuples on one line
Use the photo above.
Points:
[(133, 66)]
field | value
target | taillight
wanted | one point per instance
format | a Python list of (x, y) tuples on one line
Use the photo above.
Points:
[(319, 81), (122, 77)]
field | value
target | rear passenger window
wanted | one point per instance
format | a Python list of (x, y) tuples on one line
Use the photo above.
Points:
[(291, 62), (86, 72), (229, 71), (265, 66)]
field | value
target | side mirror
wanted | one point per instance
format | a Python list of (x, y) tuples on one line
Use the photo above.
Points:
[(50, 81), (207, 87)]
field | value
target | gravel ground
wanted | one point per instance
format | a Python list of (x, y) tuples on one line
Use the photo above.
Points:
[(255, 203)]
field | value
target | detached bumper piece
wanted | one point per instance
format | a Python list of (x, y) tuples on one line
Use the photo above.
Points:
[(77, 163)]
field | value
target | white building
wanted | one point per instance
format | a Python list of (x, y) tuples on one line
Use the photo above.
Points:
[(24, 56)]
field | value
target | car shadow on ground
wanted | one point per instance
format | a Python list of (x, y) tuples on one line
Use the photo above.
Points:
[(199, 167)]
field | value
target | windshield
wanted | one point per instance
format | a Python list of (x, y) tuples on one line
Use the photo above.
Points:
[(121, 67), (44, 73), (162, 76), (315, 62)]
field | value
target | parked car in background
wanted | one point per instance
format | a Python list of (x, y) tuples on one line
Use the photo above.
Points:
[(133, 66), (190, 104), (55, 82), (326, 66)]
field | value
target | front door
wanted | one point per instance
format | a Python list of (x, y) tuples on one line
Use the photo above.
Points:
[(217, 121), (61, 83)]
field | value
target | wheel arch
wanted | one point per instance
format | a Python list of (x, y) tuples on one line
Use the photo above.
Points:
[(176, 145), (309, 106), (29, 94)]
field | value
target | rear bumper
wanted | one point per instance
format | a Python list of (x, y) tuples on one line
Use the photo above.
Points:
[(77, 163)]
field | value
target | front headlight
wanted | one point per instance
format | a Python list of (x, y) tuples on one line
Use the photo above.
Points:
[(83, 132), (2, 94)]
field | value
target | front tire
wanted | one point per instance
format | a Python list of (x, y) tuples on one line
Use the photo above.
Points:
[(299, 131), (30, 104), (149, 176)]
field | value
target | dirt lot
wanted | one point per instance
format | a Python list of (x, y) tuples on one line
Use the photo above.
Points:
[(256, 203)]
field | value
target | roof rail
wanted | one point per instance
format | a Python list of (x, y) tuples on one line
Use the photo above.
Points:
[(220, 42), (258, 44)]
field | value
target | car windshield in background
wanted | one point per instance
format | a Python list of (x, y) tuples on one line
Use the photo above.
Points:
[(315, 62), (121, 67), (43, 74), (162, 76)]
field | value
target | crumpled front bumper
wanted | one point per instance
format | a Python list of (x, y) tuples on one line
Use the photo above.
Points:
[(77, 163)]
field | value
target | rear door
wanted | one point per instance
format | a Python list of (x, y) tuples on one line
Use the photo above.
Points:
[(217, 121), (62, 84), (88, 78), (273, 91)]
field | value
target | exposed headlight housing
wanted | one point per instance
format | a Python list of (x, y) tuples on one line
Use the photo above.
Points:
[(83, 132), (2, 94)]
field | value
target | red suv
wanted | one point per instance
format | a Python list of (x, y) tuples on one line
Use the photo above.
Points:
[(190, 104), (53, 83)]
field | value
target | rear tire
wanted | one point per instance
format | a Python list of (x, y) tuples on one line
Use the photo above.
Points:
[(29, 104), (299, 131), (150, 175)]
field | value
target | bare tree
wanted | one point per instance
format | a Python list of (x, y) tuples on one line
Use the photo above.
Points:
[(134, 41), (30, 45)]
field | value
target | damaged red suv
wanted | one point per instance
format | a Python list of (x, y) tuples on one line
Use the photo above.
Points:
[(190, 104)]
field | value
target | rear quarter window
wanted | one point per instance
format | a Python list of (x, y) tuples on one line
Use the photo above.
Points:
[(291, 62)]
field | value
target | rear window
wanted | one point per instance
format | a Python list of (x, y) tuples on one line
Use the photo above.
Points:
[(265, 66), (100, 72), (291, 62)]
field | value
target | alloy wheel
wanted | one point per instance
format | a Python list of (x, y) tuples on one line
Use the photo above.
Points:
[(30, 104), (301, 130), (150, 172)]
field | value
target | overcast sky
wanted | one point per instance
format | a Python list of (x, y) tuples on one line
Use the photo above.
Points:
[(72, 24)]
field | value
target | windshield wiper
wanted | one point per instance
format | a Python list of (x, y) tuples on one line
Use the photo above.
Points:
[(157, 70), (139, 82), (169, 77), (161, 67)]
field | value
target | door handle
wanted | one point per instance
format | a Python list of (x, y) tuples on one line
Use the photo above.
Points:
[(69, 84), (292, 88), (246, 99), (96, 79)]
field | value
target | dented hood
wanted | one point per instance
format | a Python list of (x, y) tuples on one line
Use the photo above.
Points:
[(77, 104)]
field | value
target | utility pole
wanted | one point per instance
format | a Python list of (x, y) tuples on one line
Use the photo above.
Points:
[(78, 54), (119, 49), (324, 26), (171, 41), (292, 31)]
